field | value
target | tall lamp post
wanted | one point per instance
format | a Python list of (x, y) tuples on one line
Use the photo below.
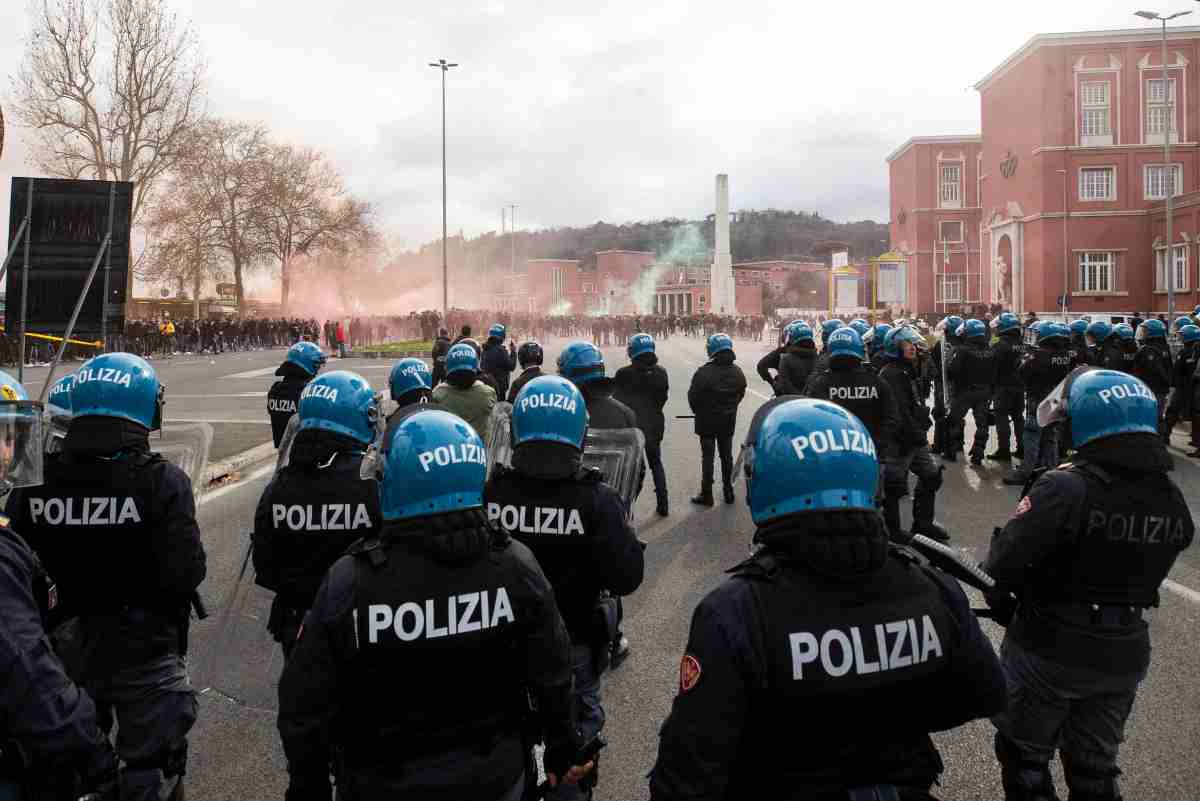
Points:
[(1168, 169), (444, 66)]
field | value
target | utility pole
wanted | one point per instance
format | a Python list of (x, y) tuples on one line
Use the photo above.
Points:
[(445, 67), (512, 234)]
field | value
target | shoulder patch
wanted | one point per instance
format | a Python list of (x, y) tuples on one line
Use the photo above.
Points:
[(689, 673)]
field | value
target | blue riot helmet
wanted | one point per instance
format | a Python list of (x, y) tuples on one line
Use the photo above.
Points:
[(1099, 331), (1048, 331), (799, 332), (549, 409), (21, 440), (581, 363), (846, 342), (1190, 333), (118, 385), (434, 463), (1123, 332), (719, 343), (639, 344), (1196, 312), (1007, 322), (497, 331), (1079, 327), (1152, 329), (530, 353), (973, 329), (892, 345), (877, 337), (1180, 322), (58, 401), (808, 455), (462, 358), (1100, 403), (308, 356), (951, 325), (343, 403), (860, 325), (828, 327), (409, 375)]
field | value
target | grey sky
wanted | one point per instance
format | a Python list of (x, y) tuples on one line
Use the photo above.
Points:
[(616, 111)]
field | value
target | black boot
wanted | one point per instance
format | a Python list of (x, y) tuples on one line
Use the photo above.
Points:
[(705, 498), (1014, 480), (729, 496), (1003, 455), (976, 458), (924, 503), (663, 509), (1022, 780)]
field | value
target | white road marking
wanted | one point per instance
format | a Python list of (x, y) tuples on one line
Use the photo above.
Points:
[(1182, 591), (259, 373), (216, 420), (219, 491), (759, 394), (261, 394)]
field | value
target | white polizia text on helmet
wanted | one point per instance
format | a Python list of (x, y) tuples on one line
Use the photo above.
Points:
[(548, 401), (827, 441), (110, 375), (445, 455)]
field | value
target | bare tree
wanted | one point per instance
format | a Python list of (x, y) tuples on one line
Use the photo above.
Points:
[(304, 209), (183, 241), (111, 92)]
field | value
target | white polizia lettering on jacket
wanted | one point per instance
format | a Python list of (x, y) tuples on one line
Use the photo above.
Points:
[(536, 519), (329, 517), (84, 511), (895, 645), (440, 617)]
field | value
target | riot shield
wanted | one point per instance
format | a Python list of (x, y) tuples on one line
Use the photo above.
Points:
[(241, 662), (285, 442), (187, 446), (55, 428), (618, 454), (499, 441)]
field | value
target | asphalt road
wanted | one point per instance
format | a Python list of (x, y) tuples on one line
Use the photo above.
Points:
[(235, 753)]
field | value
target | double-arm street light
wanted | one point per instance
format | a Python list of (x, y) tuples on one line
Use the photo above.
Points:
[(444, 66), (1168, 120)]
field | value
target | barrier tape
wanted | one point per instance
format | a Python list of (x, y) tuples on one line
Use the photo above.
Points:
[(96, 344)]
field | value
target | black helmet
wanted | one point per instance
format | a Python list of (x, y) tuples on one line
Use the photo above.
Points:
[(529, 353)]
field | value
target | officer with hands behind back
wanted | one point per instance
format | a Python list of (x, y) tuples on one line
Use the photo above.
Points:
[(456, 620), (50, 746), (575, 526), (115, 525), (717, 389), (1085, 553), (826, 622), (317, 505), (304, 360)]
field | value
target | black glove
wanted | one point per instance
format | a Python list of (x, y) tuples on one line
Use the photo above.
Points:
[(1003, 605)]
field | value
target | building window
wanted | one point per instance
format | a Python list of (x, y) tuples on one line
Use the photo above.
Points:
[(1160, 110), (587, 288), (1097, 183), (1095, 127), (950, 194), (1181, 269), (950, 231), (952, 288), (1156, 181), (1097, 271)]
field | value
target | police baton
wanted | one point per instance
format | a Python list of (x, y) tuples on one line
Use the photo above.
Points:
[(951, 562)]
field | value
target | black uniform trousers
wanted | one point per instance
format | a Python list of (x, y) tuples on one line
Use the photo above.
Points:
[(1009, 405), (709, 447), (977, 400)]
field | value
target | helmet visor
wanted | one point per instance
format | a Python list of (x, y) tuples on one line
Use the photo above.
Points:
[(1053, 409), (22, 444)]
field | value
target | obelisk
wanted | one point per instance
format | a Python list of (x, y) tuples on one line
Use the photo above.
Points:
[(722, 295)]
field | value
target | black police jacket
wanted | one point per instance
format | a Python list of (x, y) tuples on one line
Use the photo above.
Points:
[(414, 662), (43, 715), (1183, 380), (866, 395), (605, 411), (1008, 352), (768, 363), (283, 398), (1041, 370), (795, 367), (1083, 536), (1115, 356), (527, 375), (880, 657), (912, 413), (575, 527), (441, 346), (499, 363), (120, 538), (644, 388), (971, 366), (306, 518), (1152, 364), (717, 389), (1079, 347)]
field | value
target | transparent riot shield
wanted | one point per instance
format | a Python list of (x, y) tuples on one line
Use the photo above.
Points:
[(241, 661), (618, 454), (286, 441), (187, 446), (499, 440)]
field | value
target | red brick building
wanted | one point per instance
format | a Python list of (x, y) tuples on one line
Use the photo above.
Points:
[(1065, 184)]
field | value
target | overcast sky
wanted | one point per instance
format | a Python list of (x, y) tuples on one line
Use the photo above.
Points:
[(612, 111)]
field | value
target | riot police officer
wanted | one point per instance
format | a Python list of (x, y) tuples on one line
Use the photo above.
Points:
[(410, 384), (1152, 364), (1079, 344), (874, 343), (1008, 399), (441, 346), (971, 373), (911, 453), (827, 329), (131, 582), (304, 360), (939, 360), (463, 393), (1184, 403), (772, 645), (849, 384), (1085, 553), (575, 526), (717, 389), (1126, 344), (799, 360), (1102, 346), (1042, 368), (530, 357), (498, 361), (386, 672), (642, 385), (318, 504)]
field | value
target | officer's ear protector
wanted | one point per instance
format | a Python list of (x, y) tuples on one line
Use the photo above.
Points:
[(156, 423)]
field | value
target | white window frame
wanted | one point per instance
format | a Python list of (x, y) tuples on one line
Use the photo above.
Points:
[(1097, 271), (950, 193), (586, 287), (1149, 119), (1085, 185), (1180, 255), (1155, 188), (956, 281), (1094, 106), (961, 231)]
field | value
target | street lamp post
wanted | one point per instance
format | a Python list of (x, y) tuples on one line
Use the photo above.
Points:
[(1168, 170), (444, 66)]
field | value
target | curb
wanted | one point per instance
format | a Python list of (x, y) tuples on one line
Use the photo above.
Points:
[(239, 461), (378, 354)]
